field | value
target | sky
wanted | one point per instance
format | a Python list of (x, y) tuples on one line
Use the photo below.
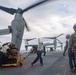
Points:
[(47, 20)]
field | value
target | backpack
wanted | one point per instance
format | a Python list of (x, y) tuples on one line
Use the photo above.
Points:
[(13, 51), (74, 40)]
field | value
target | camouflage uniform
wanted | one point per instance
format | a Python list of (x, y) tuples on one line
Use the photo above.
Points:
[(72, 52), (72, 43)]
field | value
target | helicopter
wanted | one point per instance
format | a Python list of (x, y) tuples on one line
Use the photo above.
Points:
[(18, 23)]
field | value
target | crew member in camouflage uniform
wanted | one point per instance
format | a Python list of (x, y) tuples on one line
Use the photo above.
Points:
[(72, 50)]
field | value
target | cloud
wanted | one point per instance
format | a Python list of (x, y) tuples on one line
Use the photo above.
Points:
[(49, 19)]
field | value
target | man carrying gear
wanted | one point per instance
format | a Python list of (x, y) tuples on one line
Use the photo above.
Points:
[(72, 50)]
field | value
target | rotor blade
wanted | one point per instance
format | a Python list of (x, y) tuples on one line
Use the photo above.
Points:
[(59, 41), (27, 27), (30, 39), (49, 37), (8, 10), (59, 35), (34, 5)]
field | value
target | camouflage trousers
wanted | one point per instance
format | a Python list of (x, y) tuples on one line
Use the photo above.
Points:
[(75, 54)]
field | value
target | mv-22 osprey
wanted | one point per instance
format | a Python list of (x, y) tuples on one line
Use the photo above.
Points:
[(18, 24)]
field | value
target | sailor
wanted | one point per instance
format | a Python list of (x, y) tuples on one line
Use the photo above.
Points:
[(39, 54), (72, 50)]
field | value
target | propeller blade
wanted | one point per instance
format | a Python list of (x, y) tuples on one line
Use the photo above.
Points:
[(8, 10), (49, 37), (30, 39), (27, 27), (34, 5), (59, 41), (59, 35)]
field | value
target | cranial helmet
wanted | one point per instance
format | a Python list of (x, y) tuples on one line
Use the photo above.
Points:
[(74, 27), (67, 36)]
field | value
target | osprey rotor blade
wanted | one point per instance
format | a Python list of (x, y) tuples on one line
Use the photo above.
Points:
[(8, 10), (30, 39), (59, 35), (49, 37), (27, 27), (34, 5), (59, 41)]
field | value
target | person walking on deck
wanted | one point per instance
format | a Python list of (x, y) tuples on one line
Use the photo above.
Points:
[(39, 54), (72, 50)]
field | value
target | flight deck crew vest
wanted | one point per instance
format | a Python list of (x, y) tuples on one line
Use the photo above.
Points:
[(40, 48)]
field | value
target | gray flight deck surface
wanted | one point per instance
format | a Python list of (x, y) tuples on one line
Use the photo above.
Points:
[(54, 64)]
